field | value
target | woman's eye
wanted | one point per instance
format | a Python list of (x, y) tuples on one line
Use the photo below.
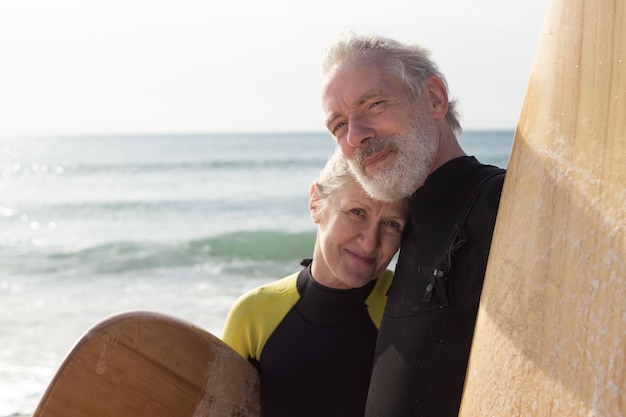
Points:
[(394, 225), (357, 211)]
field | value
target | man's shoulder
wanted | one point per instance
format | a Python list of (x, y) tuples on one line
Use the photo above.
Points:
[(485, 170), (486, 181), (491, 180)]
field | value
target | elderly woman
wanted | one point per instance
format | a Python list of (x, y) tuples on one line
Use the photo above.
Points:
[(312, 334)]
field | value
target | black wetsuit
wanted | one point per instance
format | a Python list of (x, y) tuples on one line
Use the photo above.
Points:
[(313, 345), (426, 333)]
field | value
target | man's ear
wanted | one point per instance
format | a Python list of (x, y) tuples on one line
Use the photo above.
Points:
[(314, 202), (438, 96)]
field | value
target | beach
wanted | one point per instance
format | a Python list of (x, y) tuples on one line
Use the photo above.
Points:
[(178, 224)]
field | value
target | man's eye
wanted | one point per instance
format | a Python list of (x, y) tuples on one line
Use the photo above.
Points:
[(338, 126)]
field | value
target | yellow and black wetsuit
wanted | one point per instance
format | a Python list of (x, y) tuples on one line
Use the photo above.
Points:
[(313, 345)]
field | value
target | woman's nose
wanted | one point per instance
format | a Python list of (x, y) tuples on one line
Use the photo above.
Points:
[(370, 239)]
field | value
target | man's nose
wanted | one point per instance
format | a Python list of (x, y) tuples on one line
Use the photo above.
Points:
[(359, 132)]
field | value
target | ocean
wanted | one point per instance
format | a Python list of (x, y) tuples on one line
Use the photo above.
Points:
[(179, 224)]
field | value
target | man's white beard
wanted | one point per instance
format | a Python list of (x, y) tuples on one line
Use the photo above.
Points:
[(414, 153)]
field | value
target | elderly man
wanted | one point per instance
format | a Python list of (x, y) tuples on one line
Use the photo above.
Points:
[(386, 104)]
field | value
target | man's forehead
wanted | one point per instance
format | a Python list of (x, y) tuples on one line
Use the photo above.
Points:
[(357, 84), (357, 76)]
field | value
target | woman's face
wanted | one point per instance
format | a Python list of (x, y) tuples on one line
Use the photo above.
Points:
[(357, 236)]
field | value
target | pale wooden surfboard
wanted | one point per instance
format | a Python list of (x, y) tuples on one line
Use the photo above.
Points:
[(551, 331), (143, 364)]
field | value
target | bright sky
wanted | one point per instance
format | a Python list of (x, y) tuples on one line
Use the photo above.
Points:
[(195, 66)]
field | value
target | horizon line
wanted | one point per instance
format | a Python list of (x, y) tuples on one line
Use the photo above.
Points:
[(203, 133)]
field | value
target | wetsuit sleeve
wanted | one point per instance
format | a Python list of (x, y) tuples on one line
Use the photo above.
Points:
[(255, 315), (378, 297)]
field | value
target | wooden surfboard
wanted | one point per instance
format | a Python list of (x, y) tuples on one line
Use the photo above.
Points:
[(550, 337), (144, 364)]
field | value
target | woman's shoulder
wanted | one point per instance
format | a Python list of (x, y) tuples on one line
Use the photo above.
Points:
[(383, 283), (378, 297), (254, 315), (270, 291), (265, 296)]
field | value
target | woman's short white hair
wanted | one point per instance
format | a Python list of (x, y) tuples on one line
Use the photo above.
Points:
[(332, 178)]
